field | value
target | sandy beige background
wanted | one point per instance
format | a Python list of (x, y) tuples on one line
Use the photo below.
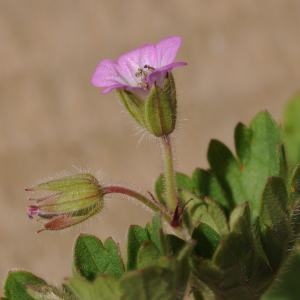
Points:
[(243, 56)]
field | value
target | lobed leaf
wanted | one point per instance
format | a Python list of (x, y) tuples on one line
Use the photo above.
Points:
[(17, 283), (260, 155), (274, 221), (92, 258), (102, 288)]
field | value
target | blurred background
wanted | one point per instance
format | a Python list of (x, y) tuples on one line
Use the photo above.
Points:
[(243, 56)]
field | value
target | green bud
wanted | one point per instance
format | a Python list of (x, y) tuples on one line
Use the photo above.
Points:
[(160, 108), (69, 201), (154, 110)]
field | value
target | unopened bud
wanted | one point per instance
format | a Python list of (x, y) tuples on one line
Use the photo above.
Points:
[(69, 201), (161, 108)]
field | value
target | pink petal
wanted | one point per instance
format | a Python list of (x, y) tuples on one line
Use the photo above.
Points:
[(161, 72), (167, 49), (129, 63), (106, 75)]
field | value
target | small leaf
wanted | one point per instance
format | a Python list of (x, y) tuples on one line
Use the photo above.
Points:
[(136, 236), (92, 258), (227, 171), (274, 221), (287, 284), (167, 280), (159, 284), (207, 185), (236, 245), (207, 240), (174, 244), (102, 288), (156, 235), (17, 283), (203, 211), (147, 254), (242, 138)]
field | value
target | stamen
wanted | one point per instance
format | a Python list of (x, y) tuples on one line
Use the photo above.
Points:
[(142, 74)]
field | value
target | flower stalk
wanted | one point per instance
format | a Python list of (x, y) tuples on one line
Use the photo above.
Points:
[(169, 173), (152, 204)]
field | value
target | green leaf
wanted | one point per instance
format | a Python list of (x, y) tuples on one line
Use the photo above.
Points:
[(207, 240), (236, 245), (242, 137), (260, 156), (294, 186), (236, 270), (136, 236), (274, 221), (183, 182), (167, 280), (159, 284), (207, 185), (147, 254), (102, 288), (287, 285), (156, 234), (205, 271), (291, 130), (92, 258), (174, 244), (227, 171), (17, 282), (206, 211)]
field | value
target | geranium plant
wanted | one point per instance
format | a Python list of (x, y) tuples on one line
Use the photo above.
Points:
[(226, 232)]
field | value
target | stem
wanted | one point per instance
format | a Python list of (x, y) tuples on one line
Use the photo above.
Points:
[(155, 206), (169, 174)]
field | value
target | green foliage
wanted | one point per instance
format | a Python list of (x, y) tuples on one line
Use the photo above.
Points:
[(291, 130), (259, 156), (102, 288), (287, 286), (166, 275), (240, 223), (92, 258), (17, 282)]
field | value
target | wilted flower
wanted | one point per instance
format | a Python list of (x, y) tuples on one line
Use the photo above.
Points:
[(69, 201), (144, 81), (139, 68)]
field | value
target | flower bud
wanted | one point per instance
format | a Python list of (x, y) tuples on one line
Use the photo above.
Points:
[(161, 108), (69, 201), (155, 110)]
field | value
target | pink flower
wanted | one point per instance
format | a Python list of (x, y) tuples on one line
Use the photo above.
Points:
[(138, 69)]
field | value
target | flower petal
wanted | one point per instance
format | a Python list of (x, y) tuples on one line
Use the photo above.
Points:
[(129, 63), (166, 50), (106, 75), (161, 72)]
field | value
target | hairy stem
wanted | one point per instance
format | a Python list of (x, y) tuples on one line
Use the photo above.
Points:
[(151, 203), (169, 174)]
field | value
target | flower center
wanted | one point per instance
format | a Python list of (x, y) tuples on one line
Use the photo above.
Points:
[(142, 74)]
